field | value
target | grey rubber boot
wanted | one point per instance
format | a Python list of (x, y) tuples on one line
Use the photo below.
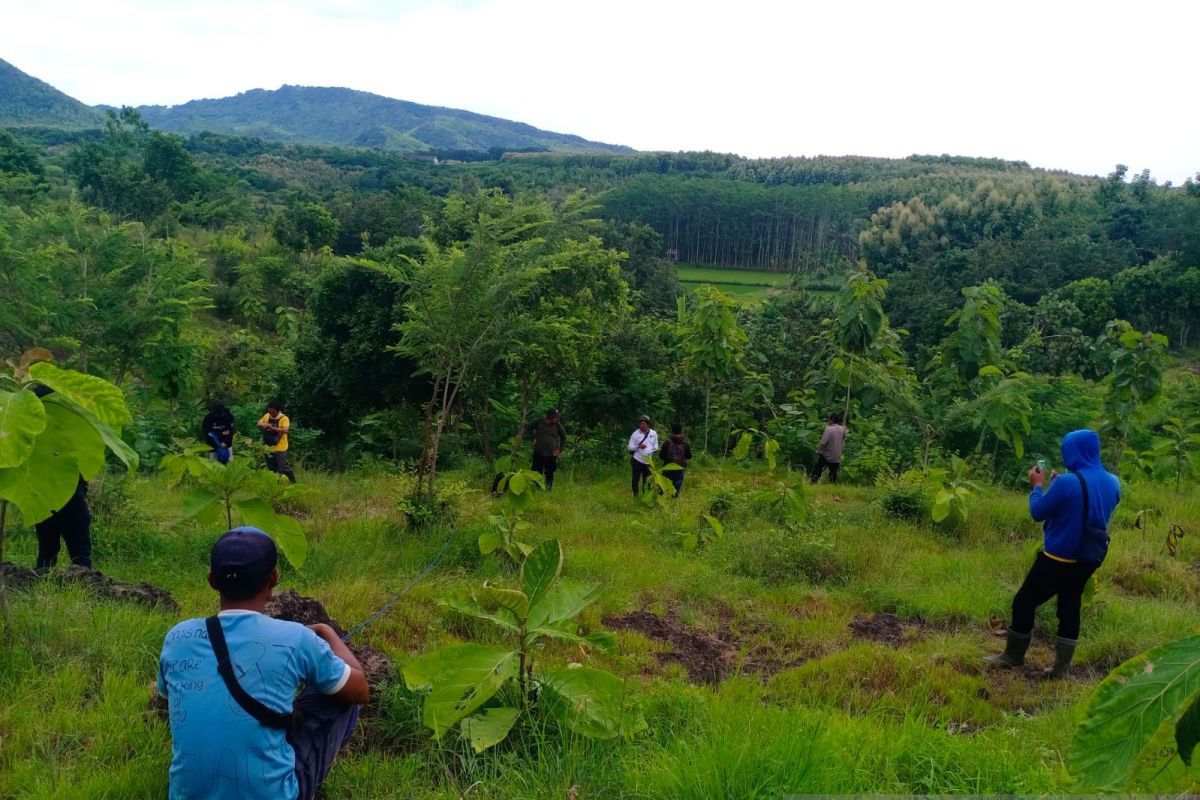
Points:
[(1064, 651), (1014, 650)]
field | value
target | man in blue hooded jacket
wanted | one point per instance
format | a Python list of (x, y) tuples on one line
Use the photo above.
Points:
[(1059, 569)]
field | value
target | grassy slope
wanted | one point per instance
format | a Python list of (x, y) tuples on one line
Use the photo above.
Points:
[(849, 716)]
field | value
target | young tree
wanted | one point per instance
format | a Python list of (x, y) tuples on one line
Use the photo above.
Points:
[(714, 344), (462, 315)]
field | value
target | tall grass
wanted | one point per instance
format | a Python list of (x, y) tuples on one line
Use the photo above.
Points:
[(810, 707)]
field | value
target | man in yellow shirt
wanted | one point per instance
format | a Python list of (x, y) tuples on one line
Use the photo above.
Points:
[(274, 425)]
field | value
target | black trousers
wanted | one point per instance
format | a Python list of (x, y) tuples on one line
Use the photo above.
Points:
[(74, 529), (1047, 578), (278, 462), (325, 723), (641, 474), (546, 465), (820, 467)]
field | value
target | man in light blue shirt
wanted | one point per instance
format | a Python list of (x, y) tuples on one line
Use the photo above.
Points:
[(255, 738)]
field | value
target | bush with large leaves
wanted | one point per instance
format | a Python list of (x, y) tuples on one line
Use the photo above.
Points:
[(48, 442), (221, 493), (484, 689), (1142, 724)]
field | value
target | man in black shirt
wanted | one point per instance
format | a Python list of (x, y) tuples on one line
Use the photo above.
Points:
[(549, 438)]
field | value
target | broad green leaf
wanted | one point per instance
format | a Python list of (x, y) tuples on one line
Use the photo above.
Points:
[(770, 450), (518, 483), (111, 438), (22, 418), (592, 702), (941, 505), (460, 679), (289, 536), (568, 631), (715, 524), (1129, 707), (690, 542), (1187, 731), (671, 468), (465, 604), (488, 542), (44, 482), (742, 448), (503, 464), (257, 512), (196, 501), (490, 598), (489, 727), (97, 395), (566, 599), (540, 569)]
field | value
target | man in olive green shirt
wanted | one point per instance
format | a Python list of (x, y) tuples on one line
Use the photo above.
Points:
[(549, 439)]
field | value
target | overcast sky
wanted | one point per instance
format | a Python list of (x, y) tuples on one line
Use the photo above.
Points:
[(1079, 86)]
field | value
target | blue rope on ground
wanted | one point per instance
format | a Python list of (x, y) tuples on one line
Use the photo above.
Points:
[(420, 576)]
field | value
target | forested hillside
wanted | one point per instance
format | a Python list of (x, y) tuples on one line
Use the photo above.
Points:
[(334, 116), (412, 316), (25, 101)]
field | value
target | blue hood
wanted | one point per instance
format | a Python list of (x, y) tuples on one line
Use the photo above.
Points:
[(1060, 506), (1081, 450)]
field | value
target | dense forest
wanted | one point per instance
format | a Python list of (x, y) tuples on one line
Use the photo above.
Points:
[(213, 267)]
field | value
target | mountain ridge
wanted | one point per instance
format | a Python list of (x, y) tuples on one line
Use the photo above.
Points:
[(354, 118), (317, 115)]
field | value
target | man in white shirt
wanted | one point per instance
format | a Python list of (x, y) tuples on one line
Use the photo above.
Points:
[(643, 443)]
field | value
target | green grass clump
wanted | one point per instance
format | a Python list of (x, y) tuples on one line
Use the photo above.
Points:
[(807, 705)]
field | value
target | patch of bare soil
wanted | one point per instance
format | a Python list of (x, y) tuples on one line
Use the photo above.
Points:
[(706, 658), (95, 582), (885, 628), (295, 607)]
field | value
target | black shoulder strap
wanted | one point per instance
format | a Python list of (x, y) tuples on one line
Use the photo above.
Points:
[(1083, 488), (267, 716)]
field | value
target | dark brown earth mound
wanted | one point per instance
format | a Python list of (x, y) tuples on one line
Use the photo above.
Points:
[(307, 611), (884, 628), (706, 658), (95, 582)]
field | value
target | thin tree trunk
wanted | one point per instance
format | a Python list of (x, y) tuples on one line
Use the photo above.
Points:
[(849, 383)]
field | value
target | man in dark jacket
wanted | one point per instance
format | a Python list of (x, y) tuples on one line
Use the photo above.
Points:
[(216, 431), (829, 449), (549, 438), (1059, 569), (70, 524), (676, 450)]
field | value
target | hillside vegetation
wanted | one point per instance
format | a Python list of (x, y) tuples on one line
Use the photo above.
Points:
[(414, 317), (844, 656), (26, 101)]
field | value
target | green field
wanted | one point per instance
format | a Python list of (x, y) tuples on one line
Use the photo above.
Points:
[(746, 285), (844, 655)]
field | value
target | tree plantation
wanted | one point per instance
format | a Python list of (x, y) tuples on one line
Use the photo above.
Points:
[(415, 317)]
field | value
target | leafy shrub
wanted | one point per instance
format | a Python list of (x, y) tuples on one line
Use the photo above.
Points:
[(905, 496), (484, 689), (422, 512), (722, 502), (868, 458), (786, 556)]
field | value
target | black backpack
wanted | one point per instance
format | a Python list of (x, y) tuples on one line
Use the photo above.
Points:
[(270, 437), (1094, 538)]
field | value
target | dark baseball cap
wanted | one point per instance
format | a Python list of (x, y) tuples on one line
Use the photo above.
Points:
[(242, 560), (552, 412), (643, 418)]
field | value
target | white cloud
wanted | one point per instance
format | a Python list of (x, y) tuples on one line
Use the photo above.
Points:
[(1068, 85)]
